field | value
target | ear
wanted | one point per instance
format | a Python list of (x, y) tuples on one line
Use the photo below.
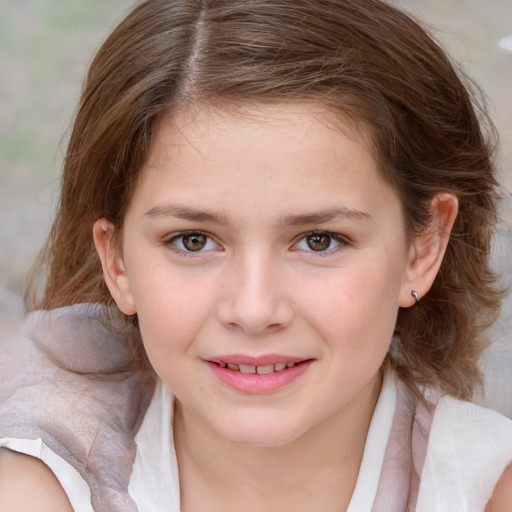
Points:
[(114, 271), (427, 250)]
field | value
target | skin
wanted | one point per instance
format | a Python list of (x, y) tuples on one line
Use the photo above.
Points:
[(501, 500), (28, 484)]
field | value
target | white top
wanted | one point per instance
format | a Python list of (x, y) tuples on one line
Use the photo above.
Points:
[(455, 448), (154, 483)]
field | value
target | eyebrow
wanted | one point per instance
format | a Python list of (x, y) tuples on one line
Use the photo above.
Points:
[(323, 216), (198, 215), (186, 213)]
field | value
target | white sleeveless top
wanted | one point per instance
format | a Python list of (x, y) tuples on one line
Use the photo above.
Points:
[(462, 437)]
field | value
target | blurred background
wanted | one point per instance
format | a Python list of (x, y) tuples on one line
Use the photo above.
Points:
[(45, 48)]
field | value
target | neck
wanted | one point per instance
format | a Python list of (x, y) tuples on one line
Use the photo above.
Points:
[(317, 471)]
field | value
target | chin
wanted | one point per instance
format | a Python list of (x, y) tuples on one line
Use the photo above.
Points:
[(262, 441), (259, 433)]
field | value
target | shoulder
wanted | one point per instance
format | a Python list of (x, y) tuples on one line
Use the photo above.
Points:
[(501, 500), (468, 451), (26, 481)]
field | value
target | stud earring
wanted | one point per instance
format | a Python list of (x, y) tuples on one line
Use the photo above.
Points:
[(416, 296)]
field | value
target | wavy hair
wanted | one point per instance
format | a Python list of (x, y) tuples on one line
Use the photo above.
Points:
[(363, 59)]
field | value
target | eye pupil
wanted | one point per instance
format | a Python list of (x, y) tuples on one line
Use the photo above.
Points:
[(318, 242), (194, 242)]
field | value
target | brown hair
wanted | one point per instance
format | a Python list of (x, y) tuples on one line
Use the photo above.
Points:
[(361, 58)]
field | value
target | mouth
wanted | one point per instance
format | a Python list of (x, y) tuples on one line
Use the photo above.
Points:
[(251, 376), (249, 369)]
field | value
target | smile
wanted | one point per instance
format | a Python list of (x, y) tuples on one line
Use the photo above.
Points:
[(254, 369), (265, 377)]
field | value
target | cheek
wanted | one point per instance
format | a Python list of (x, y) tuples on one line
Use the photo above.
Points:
[(356, 309), (172, 307)]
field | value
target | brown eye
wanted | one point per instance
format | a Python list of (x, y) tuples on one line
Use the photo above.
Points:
[(191, 242), (319, 242), (194, 241)]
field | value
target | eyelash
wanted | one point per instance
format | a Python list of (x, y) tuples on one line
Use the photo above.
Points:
[(170, 242), (342, 241)]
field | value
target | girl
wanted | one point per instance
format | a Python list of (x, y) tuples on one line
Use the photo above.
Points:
[(267, 281)]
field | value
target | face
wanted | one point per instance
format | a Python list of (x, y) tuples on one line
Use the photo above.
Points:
[(266, 260)]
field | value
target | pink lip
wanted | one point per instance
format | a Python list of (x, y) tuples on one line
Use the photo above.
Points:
[(255, 383)]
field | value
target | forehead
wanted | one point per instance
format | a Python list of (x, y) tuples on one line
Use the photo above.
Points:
[(284, 131), (297, 153)]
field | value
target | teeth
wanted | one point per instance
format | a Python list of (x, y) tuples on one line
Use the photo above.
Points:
[(260, 370), (265, 370), (248, 368)]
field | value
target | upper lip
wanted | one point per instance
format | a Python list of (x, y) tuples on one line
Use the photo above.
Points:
[(263, 360)]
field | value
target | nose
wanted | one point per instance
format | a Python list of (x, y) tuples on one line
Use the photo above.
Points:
[(255, 298)]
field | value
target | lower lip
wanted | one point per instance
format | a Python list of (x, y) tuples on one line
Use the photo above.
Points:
[(254, 383)]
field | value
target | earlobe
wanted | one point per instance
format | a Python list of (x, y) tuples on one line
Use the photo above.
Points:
[(114, 271), (428, 249)]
